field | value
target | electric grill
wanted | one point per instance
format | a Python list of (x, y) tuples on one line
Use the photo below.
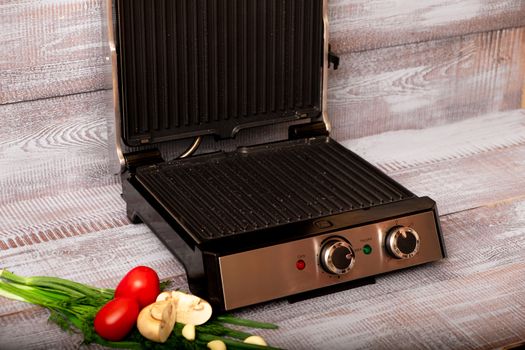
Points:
[(264, 221)]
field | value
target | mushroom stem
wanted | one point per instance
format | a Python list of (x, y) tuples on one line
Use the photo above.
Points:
[(156, 321)]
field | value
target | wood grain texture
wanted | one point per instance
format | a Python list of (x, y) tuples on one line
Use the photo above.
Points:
[(59, 48), (358, 25), (426, 84), (460, 165), (523, 97), (474, 299), (522, 56), (41, 335), (425, 112), (52, 218), (53, 146), (52, 48), (88, 259), (494, 132), (55, 166), (411, 87)]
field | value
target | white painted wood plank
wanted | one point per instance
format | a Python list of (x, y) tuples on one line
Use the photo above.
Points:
[(52, 48), (358, 25), (423, 85), (473, 299), (411, 148), (59, 48), (460, 165), (59, 217), (433, 303), (99, 258), (31, 330), (54, 146)]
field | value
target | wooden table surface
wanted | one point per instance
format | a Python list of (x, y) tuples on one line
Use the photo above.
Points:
[(429, 91), (473, 299)]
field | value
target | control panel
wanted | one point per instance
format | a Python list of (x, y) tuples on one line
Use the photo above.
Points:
[(328, 259)]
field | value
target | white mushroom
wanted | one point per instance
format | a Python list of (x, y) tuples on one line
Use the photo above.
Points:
[(255, 340), (164, 296), (190, 308), (156, 321), (216, 345), (188, 332)]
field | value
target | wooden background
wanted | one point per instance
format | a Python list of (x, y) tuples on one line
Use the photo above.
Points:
[(430, 91)]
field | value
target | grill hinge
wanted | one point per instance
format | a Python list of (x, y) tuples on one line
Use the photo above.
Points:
[(333, 59), (142, 158), (302, 131)]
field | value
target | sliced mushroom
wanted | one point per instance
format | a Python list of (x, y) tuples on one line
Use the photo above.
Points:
[(158, 310), (190, 308), (164, 296), (156, 321)]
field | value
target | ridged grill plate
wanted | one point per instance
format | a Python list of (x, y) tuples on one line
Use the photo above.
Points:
[(198, 67), (265, 186)]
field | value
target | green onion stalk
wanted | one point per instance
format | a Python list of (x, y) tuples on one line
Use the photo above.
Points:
[(73, 306)]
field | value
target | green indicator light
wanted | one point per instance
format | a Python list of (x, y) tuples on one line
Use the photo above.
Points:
[(367, 249)]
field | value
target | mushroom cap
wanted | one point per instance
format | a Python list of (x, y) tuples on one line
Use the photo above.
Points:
[(190, 308), (164, 296)]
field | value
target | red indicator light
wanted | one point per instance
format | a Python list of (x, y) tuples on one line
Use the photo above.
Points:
[(300, 264)]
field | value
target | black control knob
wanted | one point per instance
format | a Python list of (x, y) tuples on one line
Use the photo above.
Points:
[(402, 242), (337, 256)]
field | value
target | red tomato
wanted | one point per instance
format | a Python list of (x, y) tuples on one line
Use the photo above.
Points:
[(117, 318), (142, 284)]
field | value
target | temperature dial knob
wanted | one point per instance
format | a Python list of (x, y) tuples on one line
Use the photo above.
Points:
[(337, 256), (402, 242)]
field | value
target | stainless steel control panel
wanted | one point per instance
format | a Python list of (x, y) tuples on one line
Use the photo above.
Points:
[(281, 270)]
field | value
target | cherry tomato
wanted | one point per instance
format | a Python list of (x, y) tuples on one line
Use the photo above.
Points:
[(142, 284), (117, 318)]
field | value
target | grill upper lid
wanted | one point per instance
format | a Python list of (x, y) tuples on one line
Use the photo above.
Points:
[(197, 67)]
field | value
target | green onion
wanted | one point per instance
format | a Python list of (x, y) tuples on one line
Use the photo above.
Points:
[(215, 328), (245, 323), (74, 306), (58, 284)]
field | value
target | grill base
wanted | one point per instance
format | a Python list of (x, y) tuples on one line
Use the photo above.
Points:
[(229, 217)]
